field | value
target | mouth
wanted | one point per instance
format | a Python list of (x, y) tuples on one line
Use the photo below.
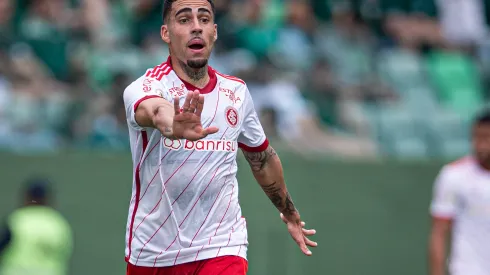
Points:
[(196, 45)]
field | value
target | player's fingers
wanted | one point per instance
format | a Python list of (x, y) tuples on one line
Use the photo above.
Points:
[(176, 105), (303, 224), (194, 100), (309, 232), (187, 102), (210, 131), (311, 243), (200, 105), (303, 247)]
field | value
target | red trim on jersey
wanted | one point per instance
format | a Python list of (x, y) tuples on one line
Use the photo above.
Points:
[(213, 80), (143, 99), (258, 149), (164, 73), (156, 72), (137, 180), (229, 77), (156, 68), (159, 71)]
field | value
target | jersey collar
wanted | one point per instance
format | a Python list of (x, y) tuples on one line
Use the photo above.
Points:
[(213, 80)]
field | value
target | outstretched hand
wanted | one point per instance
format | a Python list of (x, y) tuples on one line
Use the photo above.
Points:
[(187, 124), (300, 234)]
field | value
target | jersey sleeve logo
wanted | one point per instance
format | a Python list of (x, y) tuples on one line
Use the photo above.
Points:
[(231, 115)]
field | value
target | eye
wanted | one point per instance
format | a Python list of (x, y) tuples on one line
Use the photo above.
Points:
[(205, 20), (183, 20)]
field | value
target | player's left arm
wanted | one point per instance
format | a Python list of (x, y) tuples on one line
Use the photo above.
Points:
[(268, 171)]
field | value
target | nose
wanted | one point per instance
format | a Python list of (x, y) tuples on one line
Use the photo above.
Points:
[(196, 27)]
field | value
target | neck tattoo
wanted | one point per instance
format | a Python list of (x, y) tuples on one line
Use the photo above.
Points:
[(195, 75)]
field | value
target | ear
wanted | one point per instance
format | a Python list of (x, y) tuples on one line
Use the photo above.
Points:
[(215, 32), (164, 33)]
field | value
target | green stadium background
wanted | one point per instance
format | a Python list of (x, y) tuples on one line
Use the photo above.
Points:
[(371, 217)]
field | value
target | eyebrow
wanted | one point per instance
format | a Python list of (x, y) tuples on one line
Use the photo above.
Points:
[(203, 10), (200, 10)]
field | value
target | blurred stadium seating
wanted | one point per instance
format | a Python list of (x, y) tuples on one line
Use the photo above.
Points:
[(362, 77)]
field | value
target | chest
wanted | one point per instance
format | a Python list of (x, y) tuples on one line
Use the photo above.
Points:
[(223, 108), (475, 198)]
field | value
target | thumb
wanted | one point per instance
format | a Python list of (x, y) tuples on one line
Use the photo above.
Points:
[(209, 131)]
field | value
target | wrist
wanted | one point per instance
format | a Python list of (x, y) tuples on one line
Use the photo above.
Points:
[(292, 216)]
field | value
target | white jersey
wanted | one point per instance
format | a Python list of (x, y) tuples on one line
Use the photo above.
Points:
[(462, 194), (184, 204)]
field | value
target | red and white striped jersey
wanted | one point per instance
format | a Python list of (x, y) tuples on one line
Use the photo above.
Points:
[(184, 204)]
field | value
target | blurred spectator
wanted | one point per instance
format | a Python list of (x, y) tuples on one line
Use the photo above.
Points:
[(359, 70), (36, 238)]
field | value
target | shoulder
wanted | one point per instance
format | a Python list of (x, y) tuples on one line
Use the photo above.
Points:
[(235, 88), (459, 169), (230, 80), (146, 85), (460, 165)]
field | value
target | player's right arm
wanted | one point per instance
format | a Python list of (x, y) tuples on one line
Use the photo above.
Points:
[(443, 209), (148, 105), (156, 113)]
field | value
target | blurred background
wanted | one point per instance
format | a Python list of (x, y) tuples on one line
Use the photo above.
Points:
[(364, 99)]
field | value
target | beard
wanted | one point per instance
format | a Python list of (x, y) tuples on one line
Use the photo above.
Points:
[(197, 63), (195, 69)]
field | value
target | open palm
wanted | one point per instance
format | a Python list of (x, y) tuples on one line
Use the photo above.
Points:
[(187, 123)]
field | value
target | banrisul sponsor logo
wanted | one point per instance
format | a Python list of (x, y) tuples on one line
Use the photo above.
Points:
[(221, 145)]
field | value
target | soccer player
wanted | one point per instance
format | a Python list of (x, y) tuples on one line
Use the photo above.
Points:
[(461, 207), (187, 123)]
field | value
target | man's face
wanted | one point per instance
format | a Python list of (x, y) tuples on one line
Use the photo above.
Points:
[(190, 32), (481, 142)]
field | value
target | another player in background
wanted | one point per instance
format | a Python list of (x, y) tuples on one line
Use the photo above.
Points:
[(461, 209), (37, 239), (184, 215)]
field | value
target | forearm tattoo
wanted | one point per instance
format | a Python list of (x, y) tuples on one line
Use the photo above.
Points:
[(283, 202), (258, 160), (275, 191)]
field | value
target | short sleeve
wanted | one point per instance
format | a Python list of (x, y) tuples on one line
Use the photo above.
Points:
[(139, 91), (445, 196), (252, 137)]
